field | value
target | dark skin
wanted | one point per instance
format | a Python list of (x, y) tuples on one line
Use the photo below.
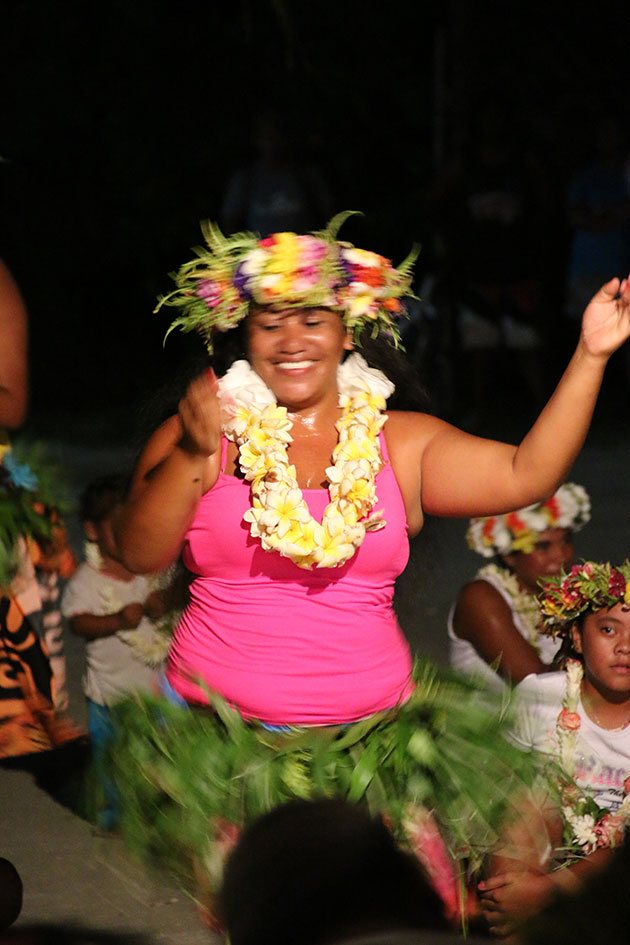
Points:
[(484, 618)]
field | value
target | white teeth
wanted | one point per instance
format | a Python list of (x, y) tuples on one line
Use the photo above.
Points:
[(294, 365)]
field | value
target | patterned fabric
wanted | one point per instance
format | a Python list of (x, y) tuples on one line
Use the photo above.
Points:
[(52, 633), (28, 721)]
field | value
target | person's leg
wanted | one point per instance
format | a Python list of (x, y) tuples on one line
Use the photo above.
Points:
[(101, 735)]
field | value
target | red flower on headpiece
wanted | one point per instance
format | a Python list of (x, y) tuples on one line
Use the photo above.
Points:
[(616, 584)]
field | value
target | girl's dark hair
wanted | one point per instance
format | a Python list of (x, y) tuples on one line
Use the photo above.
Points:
[(566, 650), (328, 868), (101, 496)]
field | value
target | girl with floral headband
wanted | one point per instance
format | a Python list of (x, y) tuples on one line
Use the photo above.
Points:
[(494, 626), (578, 722), (291, 495)]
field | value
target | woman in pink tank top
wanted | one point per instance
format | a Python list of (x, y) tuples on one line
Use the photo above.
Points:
[(289, 494)]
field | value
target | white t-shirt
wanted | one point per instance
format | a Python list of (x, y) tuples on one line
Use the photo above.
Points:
[(465, 659), (112, 668), (602, 756)]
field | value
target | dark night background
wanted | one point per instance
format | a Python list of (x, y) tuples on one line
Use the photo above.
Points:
[(121, 123)]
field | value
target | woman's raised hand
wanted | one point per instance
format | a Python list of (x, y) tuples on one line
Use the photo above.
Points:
[(200, 416), (606, 320)]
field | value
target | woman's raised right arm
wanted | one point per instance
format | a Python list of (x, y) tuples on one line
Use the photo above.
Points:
[(178, 465)]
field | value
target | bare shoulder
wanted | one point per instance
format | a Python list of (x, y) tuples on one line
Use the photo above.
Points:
[(480, 611), (479, 594), (407, 432)]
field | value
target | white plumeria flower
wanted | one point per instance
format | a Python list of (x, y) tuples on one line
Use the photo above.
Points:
[(244, 386), (284, 507), (279, 516)]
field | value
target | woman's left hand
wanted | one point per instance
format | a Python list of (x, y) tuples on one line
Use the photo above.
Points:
[(509, 898), (606, 320)]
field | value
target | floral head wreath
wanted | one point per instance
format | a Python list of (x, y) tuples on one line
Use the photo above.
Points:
[(588, 586), (568, 507), (215, 290)]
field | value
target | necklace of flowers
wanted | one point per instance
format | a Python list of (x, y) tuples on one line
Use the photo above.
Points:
[(523, 604), (150, 646), (279, 515), (588, 825)]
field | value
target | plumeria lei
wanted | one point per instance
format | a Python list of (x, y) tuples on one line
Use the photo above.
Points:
[(587, 586), (587, 826), (523, 604), (215, 290), (279, 515), (493, 535)]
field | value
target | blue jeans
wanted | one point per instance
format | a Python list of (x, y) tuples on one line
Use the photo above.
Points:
[(102, 734)]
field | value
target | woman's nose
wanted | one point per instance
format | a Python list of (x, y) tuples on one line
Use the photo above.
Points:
[(291, 337)]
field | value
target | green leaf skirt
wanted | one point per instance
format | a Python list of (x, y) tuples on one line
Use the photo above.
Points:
[(182, 772)]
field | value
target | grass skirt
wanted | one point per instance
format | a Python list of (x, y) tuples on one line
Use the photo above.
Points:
[(189, 779)]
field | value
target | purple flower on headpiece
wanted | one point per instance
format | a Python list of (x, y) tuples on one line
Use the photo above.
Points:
[(240, 282), (208, 291)]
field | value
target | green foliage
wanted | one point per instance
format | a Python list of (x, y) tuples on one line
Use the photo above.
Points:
[(32, 498), (180, 771)]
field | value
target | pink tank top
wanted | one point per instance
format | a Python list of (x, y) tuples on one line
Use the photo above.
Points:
[(285, 645)]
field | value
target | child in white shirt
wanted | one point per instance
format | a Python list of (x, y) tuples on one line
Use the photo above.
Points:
[(117, 613), (578, 719)]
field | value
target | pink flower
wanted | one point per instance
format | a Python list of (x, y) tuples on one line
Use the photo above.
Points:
[(568, 721), (609, 831), (429, 847)]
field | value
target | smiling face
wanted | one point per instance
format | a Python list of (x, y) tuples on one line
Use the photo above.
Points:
[(604, 642), (553, 551), (296, 352)]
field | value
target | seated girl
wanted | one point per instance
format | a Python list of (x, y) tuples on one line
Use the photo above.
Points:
[(579, 721), (493, 627)]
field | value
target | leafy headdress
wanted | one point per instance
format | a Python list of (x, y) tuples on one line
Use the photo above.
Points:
[(214, 291)]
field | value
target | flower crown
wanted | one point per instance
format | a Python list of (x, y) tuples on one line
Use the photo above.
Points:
[(568, 507), (587, 586), (215, 290)]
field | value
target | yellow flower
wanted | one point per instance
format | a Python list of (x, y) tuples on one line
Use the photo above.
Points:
[(332, 550), (360, 492), (284, 256), (279, 516), (252, 516), (359, 306), (363, 399), (284, 508), (300, 541), (357, 448)]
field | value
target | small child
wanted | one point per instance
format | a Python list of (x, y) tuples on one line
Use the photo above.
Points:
[(115, 611), (579, 719)]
